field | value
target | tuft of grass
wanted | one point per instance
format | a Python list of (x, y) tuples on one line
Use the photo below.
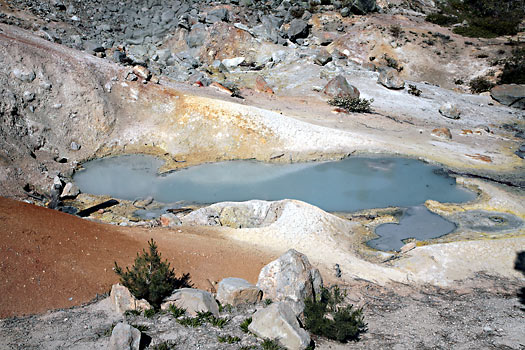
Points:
[(176, 311), (356, 105), (109, 330), (269, 344), (202, 318), (228, 339), (514, 68), (325, 317), (141, 327), (268, 301), (395, 30), (149, 313), (128, 313), (244, 325), (190, 322)]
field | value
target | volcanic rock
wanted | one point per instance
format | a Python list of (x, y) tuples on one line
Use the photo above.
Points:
[(339, 87)]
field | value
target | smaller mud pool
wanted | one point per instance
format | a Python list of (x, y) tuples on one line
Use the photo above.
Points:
[(345, 186), (416, 222)]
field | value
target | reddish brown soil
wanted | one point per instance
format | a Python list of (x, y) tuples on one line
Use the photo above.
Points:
[(53, 260)]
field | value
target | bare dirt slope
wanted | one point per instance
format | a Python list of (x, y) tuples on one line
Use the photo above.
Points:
[(53, 260)]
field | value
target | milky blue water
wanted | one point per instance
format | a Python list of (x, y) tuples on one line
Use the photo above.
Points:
[(347, 185)]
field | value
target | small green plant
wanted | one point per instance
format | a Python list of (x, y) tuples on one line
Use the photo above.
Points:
[(268, 301), (176, 311), (357, 105), (327, 318), (480, 84), (413, 90), (128, 313), (149, 313), (190, 322), (167, 345), (201, 318), (227, 307), (269, 344), (228, 339), (109, 330), (151, 278), (219, 322), (245, 324)]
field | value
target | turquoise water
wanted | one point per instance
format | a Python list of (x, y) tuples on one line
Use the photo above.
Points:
[(347, 185)]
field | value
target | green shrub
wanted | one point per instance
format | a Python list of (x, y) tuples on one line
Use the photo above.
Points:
[(190, 322), (151, 278), (514, 68), (396, 30), (228, 339), (201, 318), (141, 327), (267, 301), (357, 105), (128, 313), (392, 63), (326, 318), (149, 313), (167, 345), (485, 18), (245, 324), (480, 84)]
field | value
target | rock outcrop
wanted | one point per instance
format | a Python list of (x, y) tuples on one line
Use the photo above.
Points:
[(236, 291), (192, 300), (292, 279), (512, 95), (278, 322)]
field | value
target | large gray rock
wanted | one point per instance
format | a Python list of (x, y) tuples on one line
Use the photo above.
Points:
[(512, 95), (389, 77), (278, 322), (193, 300), (236, 291), (123, 300), (124, 337), (450, 110), (292, 279), (298, 29), (70, 191), (339, 87)]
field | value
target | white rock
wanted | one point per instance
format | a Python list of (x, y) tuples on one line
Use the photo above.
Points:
[(236, 291), (123, 300), (124, 337), (193, 300), (290, 278), (70, 191), (278, 322), (233, 62)]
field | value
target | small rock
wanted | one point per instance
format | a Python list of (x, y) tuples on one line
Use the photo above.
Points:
[(290, 278), (74, 146), (442, 133), (123, 300), (450, 110), (298, 29), (142, 72), (70, 191), (278, 322), (262, 86), (26, 76), (169, 220), (322, 57), (124, 337), (339, 87), (408, 247), (233, 62), (192, 300), (236, 291), (389, 77), (221, 88), (29, 96)]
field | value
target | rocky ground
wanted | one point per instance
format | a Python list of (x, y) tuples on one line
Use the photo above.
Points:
[(194, 82)]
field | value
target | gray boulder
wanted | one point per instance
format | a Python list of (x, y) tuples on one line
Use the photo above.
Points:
[(450, 110), (298, 29), (290, 278), (236, 291), (362, 7), (169, 220), (124, 337), (278, 322), (322, 57), (25, 75), (512, 95), (389, 77), (193, 300), (339, 87)]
